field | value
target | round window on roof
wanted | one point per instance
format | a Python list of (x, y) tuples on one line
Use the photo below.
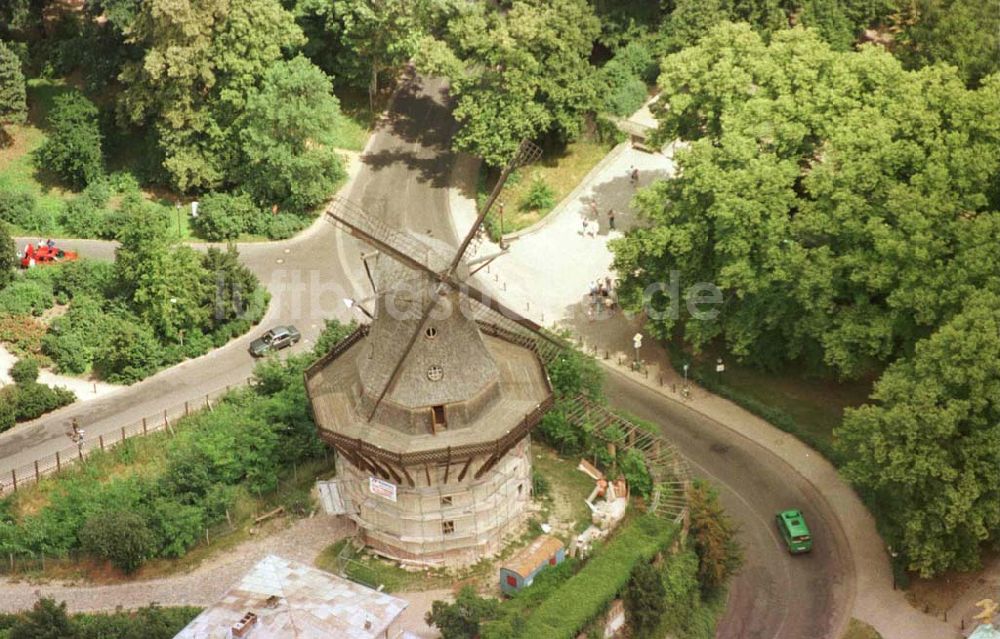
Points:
[(435, 373), (431, 332)]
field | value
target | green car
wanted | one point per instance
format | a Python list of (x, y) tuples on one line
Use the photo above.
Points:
[(794, 531)]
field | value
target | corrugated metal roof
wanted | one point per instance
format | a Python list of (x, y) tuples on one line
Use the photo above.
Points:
[(294, 601), (525, 562)]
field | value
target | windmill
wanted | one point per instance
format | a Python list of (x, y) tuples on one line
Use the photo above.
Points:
[(430, 406)]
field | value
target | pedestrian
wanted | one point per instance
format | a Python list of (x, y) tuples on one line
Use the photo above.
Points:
[(593, 208), (76, 428), (593, 292), (586, 225), (609, 305), (607, 282), (592, 229), (635, 176), (611, 219), (50, 243)]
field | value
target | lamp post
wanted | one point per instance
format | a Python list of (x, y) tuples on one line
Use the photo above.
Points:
[(637, 344), (685, 389)]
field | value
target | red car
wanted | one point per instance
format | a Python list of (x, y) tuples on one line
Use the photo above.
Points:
[(45, 254)]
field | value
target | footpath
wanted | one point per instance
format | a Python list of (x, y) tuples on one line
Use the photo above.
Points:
[(558, 250)]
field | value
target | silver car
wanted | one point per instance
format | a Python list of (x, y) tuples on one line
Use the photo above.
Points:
[(274, 340)]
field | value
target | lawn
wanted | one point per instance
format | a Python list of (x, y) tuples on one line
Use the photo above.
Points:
[(561, 170)]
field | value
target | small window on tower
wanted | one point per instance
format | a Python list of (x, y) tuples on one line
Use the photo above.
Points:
[(448, 527), (431, 332), (446, 500)]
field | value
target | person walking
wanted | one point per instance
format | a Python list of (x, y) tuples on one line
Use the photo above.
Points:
[(611, 219), (634, 176)]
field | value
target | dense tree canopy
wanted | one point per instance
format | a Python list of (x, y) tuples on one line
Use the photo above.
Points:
[(928, 451), (844, 206), (519, 74), (214, 84)]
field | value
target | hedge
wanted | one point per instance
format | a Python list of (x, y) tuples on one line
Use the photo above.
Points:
[(586, 595)]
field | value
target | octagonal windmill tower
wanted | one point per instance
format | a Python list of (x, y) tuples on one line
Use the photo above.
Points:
[(430, 406)]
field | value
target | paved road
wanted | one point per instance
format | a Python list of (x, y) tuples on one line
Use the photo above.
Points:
[(775, 595)]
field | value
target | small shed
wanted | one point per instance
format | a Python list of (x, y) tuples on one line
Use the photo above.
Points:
[(520, 571)]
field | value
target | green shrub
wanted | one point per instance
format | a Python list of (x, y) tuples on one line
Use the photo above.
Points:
[(8, 408), (222, 216), (16, 206), (633, 466), (539, 484), (540, 196), (284, 225), (131, 353), (24, 371), (179, 526), (72, 149), (27, 296), (34, 399), (645, 599), (120, 536), (69, 351), (80, 218), (627, 97)]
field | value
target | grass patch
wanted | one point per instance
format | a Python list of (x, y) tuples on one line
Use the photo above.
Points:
[(376, 572), (17, 166), (860, 630), (565, 504), (561, 170), (801, 404)]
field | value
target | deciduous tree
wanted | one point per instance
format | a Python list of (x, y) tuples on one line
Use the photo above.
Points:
[(72, 149), (13, 105), (926, 452)]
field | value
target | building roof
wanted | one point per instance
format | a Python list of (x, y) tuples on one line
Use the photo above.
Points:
[(526, 561), (293, 601)]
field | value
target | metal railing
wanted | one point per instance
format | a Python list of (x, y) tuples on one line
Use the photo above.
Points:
[(162, 420)]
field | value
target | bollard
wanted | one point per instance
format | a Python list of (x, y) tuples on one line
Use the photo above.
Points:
[(505, 285), (144, 426), (13, 475), (37, 476), (187, 409), (123, 434), (58, 462), (95, 388), (100, 440)]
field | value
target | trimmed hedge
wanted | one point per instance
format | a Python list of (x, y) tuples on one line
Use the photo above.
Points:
[(586, 595)]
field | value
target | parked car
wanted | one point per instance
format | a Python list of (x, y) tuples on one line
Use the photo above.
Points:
[(274, 340), (795, 532), (49, 253)]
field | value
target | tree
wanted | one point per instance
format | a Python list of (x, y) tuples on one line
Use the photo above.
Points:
[(461, 620), (222, 216), (121, 536), (197, 69), (13, 104), (714, 535), (72, 149), (385, 33), (232, 282), (288, 157), (926, 451), (520, 74), (166, 283), (47, 620), (838, 231), (8, 256), (964, 33), (645, 598)]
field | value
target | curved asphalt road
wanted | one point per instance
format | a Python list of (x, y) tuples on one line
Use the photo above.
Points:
[(405, 179)]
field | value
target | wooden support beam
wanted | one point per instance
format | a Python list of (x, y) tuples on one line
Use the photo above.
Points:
[(409, 480), (465, 468), (447, 467), (427, 472)]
